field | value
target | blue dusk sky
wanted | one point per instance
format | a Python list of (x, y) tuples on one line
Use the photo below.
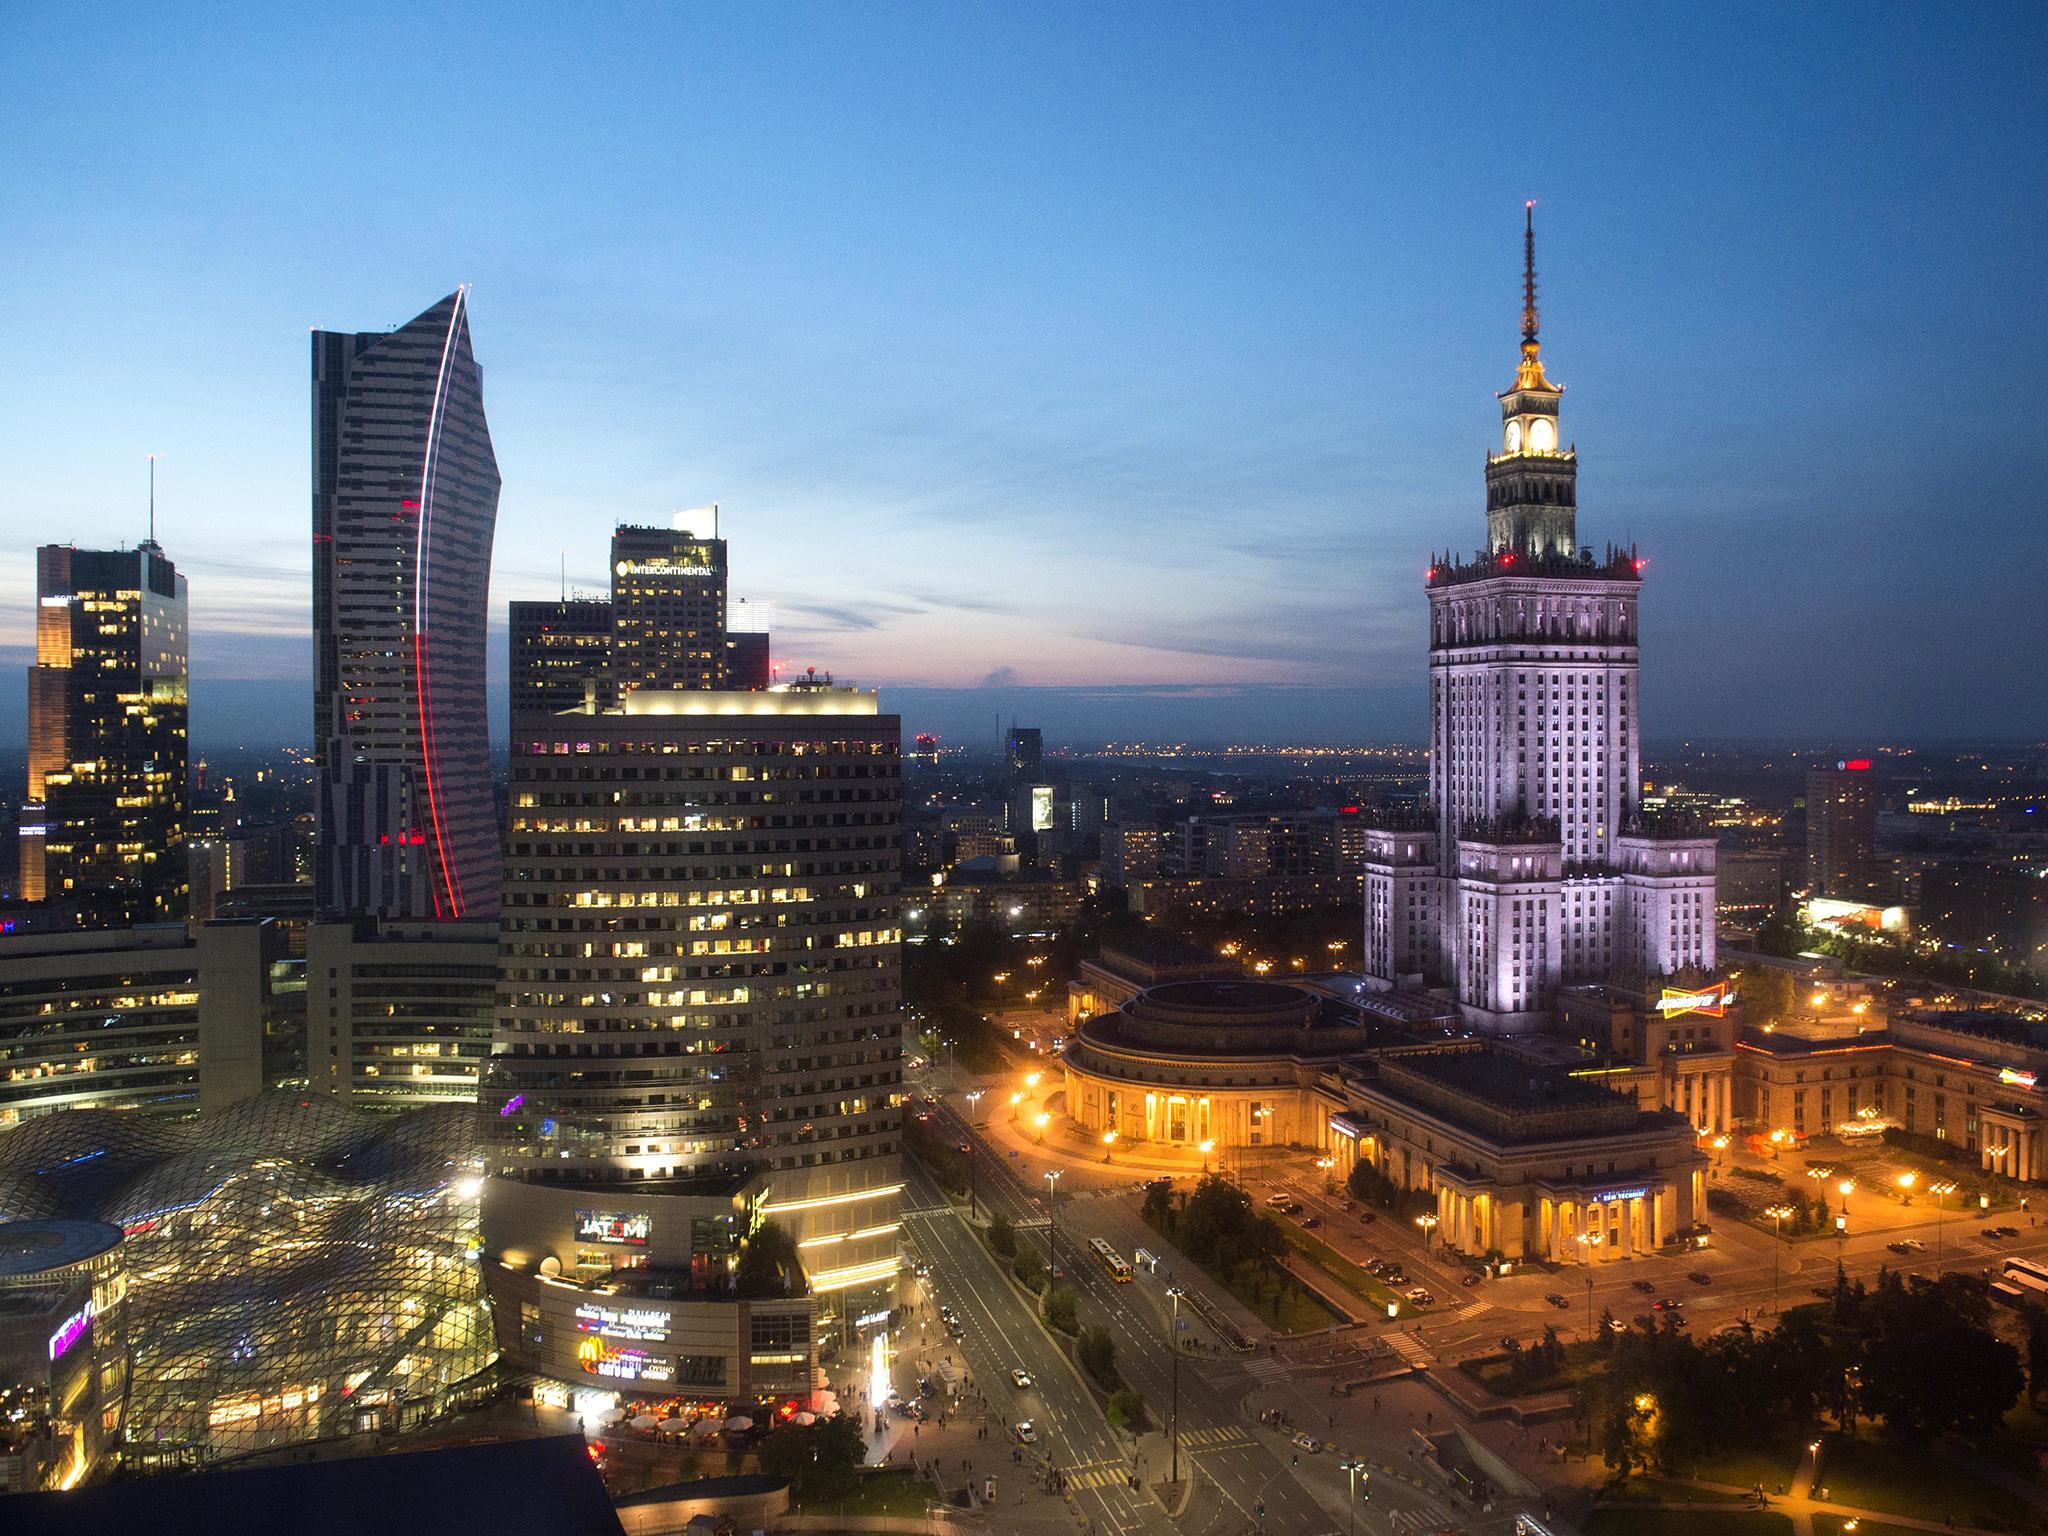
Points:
[(1115, 366)]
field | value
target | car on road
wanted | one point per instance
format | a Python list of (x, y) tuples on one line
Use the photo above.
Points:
[(1700, 1277), (1509, 1341), (924, 1114), (925, 1387), (966, 1148), (1020, 1379), (908, 1408), (1375, 1266), (1557, 1301), (1667, 1304), (1420, 1296), (955, 1327), (1306, 1442), (1026, 1432), (1471, 1278), (1311, 1221), (1901, 1247), (1395, 1275), (1279, 1202), (1368, 1217), (1648, 1288)]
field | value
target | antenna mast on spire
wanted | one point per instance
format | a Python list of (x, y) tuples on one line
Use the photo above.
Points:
[(1529, 325), (152, 498)]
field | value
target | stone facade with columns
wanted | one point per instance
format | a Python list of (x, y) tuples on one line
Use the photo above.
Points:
[(1525, 1159), (1976, 1078)]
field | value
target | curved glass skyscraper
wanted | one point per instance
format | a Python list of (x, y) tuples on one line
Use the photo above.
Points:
[(405, 499)]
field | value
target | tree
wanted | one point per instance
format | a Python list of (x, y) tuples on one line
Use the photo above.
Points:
[(1604, 1339), (1158, 1206), (1001, 1236), (819, 1461), (1097, 1352), (1059, 1309), (2037, 1351), (768, 1265), (1767, 994), (1929, 1366), (1126, 1410), (1029, 1268)]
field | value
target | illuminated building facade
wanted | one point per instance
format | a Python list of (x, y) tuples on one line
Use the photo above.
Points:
[(1536, 865), (668, 604), (405, 503), (699, 1029), (103, 826), (1977, 1079), (398, 1014), (1841, 831), (289, 1269), (62, 1348), (153, 1019)]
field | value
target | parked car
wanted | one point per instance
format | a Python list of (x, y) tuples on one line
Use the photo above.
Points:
[(1471, 1278), (1279, 1202), (1648, 1288), (1375, 1266), (1027, 1432), (1309, 1443), (1395, 1276), (1509, 1341), (1420, 1296), (1021, 1379), (1557, 1301), (1700, 1277), (925, 1387), (1311, 1221)]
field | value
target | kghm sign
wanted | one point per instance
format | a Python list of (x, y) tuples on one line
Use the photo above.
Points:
[(1712, 1001)]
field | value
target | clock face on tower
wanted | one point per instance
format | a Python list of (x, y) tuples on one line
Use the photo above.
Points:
[(1542, 436), (1514, 437)]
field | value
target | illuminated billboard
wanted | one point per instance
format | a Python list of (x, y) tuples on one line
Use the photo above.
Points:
[(628, 1229), (643, 1325), (1041, 807), (1712, 1001)]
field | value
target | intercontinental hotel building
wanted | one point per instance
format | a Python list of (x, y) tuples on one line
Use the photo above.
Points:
[(697, 1035)]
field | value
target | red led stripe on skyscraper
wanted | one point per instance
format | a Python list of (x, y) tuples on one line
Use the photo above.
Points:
[(421, 570)]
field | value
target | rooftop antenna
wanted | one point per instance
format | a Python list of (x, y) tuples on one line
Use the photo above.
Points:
[(565, 575), (152, 498)]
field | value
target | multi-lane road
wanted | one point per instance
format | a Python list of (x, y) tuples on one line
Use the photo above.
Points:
[(1249, 1470)]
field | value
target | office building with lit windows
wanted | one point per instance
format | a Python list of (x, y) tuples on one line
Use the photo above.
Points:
[(1535, 865), (698, 1031), (398, 1014), (156, 1019), (103, 823), (1841, 831), (559, 649), (405, 504)]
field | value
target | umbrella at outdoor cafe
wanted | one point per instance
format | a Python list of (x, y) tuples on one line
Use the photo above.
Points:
[(739, 1421)]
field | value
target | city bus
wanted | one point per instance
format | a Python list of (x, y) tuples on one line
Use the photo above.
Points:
[(1111, 1261), (2026, 1274)]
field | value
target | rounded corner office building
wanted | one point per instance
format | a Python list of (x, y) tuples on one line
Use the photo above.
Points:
[(1233, 1062)]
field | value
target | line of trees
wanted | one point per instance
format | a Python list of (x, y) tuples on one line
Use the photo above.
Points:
[(1917, 1357), (1368, 1184)]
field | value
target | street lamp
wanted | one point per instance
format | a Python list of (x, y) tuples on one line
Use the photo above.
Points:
[(1108, 1141), (1428, 1223), (1941, 1192), (1590, 1240), (1208, 1146), (1041, 1120), (1173, 1294), (1052, 1221), (973, 1098), (1777, 1213), (1357, 1469)]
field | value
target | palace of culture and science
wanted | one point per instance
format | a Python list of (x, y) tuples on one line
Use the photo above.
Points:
[(1533, 867)]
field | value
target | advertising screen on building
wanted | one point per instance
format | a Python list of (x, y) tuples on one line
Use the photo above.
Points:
[(629, 1229), (1041, 807)]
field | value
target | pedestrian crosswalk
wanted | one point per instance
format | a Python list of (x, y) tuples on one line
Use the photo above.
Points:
[(1472, 1309), (1097, 1474), (1266, 1368), (1409, 1348), (1411, 1520), (1216, 1437)]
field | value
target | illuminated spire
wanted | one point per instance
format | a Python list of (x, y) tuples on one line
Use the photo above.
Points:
[(1529, 325), (1529, 375)]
